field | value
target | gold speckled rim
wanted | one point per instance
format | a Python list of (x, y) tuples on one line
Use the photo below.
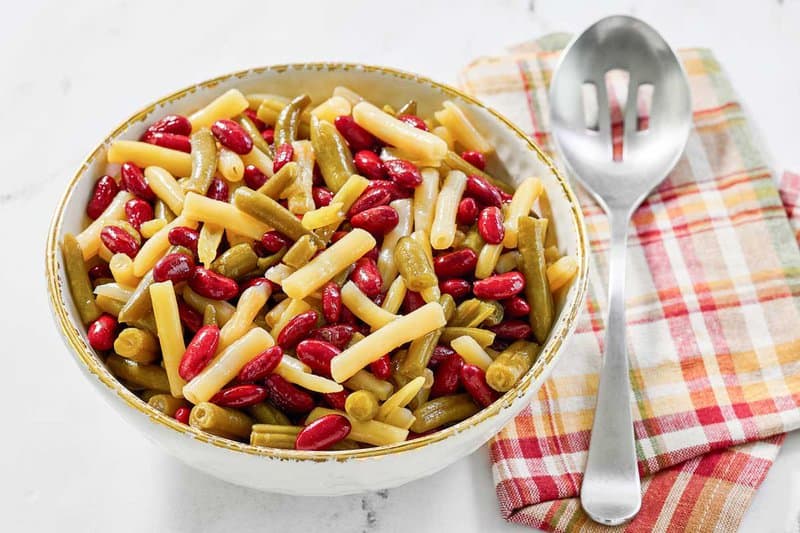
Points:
[(85, 355)]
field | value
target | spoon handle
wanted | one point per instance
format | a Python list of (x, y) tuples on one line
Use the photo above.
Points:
[(610, 493)]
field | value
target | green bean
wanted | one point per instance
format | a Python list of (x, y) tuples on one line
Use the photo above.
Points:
[(289, 119), (409, 108), (139, 304), (166, 403), (275, 185), (473, 241), (333, 156), (204, 161), (270, 212), (441, 411), (301, 252), (80, 286), (265, 262), (484, 337), (448, 304), (273, 440), (512, 363), (470, 313), (534, 268), (137, 345), (496, 315), (149, 393), (252, 130), (145, 376), (160, 210), (113, 307), (265, 413), (277, 429), (419, 354), (361, 405), (222, 309), (101, 281), (454, 161), (413, 265), (210, 316), (344, 444), (367, 381), (220, 421), (236, 261)]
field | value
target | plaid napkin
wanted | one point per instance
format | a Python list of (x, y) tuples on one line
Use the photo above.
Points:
[(713, 322)]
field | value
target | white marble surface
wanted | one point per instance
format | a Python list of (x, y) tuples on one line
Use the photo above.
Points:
[(72, 70)]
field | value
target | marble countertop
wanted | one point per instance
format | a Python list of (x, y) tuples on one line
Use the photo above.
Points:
[(72, 70)]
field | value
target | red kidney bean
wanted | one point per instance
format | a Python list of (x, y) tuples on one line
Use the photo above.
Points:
[(253, 116), (261, 366), (240, 396), (357, 137), (273, 241), (512, 330), (232, 136), (339, 335), (483, 191), (412, 301), (338, 235), (336, 400), (370, 198), (253, 177), (253, 282), (403, 172), (183, 236), (413, 120), (446, 376), (102, 332), (369, 165), (490, 225), (189, 317), (455, 287), (100, 270), (119, 241), (172, 141), (138, 211), (331, 302), (440, 353), (379, 298), (182, 415), (199, 352), (474, 380), (474, 158), (218, 190), (174, 267), (467, 212), (516, 307), (382, 368), (504, 195), (499, 287), (283, 154), (212, 285), (287, 397), (317, 354), (322, 196), (323, 433), (133, 180), (455, 264), (367, 277), (105, 189), (349, 319), (372, 254), (394, 189), (376, 220), (297, 329), (268, 135), (177, 124)]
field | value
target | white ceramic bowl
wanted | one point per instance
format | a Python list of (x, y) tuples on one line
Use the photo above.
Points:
[(325, 473)]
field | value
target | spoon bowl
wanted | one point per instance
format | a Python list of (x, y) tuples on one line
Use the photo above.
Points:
[(619, 179)]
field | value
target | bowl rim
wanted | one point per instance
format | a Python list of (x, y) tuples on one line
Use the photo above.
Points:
[(86, 357)]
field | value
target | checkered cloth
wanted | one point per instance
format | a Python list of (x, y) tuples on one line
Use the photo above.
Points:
[(713, 322)]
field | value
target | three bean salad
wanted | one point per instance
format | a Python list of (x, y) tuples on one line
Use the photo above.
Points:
[(321, 276)]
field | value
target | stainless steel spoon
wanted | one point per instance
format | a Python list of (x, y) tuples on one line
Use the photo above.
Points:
[(610, 493)]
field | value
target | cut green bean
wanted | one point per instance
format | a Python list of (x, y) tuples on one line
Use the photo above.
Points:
[(454, 161), (484, 337), (270, 212), (471, 313), (534, 267), (445, 410), (361, 405), (255, 135), (166, 403), (144, 376), (413, 264), (264, 413), (333, 156), (139, 304), (236, 261), (210, 316), (275, 185), (301, 252), (80, 286), (204, 161), (496, 316), (512, 363), (220, 421), (289, 120)]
